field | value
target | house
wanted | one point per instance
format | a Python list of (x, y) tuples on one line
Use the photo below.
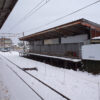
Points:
[(5, 43)]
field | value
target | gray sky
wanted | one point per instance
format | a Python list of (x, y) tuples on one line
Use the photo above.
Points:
[(52, 10)]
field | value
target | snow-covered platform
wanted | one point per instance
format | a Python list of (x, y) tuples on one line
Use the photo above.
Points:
[(61, 58), (70, 63)]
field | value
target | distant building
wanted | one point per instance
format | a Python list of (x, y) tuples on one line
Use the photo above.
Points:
[(5, 43)]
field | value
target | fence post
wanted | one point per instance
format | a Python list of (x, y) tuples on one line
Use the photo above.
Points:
[(98, 90), (45, 66)]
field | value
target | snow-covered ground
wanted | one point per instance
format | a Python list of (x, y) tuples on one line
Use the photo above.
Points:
[(11, 87), (4, 93), (75, 85)]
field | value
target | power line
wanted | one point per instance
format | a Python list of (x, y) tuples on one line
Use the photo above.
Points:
[(27, 14), (65, 15), (30, 13)]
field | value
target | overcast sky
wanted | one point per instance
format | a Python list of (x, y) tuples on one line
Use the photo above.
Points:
[(52, 10)]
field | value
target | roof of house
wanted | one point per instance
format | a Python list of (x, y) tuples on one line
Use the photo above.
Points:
[(6, 7), (80, 26)]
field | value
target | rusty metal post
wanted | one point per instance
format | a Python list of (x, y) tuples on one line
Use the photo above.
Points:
[(23, 43)]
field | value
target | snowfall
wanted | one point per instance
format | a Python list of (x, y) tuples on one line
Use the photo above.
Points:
[(75, 85)]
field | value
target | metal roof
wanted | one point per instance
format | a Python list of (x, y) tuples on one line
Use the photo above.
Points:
[(81, 26), (6, 7)]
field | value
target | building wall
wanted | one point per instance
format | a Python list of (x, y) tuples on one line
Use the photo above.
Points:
[(91, 66), (69, 39), (38, 42), (74, 39), (51, 41), (69, 47)]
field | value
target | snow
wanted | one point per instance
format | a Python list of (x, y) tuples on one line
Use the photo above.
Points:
[(14, 85), (98, 37), (75, 85), (91, 52)]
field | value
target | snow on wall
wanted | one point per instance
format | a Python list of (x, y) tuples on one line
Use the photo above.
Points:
[(91, 52), (74, 39)]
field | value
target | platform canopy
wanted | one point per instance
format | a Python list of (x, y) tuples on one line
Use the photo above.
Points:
[(6, 7), (81, 26)]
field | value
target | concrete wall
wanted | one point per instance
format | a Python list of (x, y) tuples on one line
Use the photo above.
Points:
[(92, 66), (91, 52)]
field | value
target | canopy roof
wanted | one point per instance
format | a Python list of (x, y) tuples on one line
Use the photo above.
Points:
[(6, 7), (81, 26)]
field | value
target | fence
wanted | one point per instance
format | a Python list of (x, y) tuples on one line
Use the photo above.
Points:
[(64, 50)]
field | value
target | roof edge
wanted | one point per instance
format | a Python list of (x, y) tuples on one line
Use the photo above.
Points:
[(79, 21)]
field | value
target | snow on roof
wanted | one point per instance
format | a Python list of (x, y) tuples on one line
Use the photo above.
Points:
[(98, 37)]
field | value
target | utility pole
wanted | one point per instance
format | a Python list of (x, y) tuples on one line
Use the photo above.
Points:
[(23, 44), (4, 42)]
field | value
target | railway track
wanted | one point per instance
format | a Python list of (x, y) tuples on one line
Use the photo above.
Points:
[(54, 90)]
